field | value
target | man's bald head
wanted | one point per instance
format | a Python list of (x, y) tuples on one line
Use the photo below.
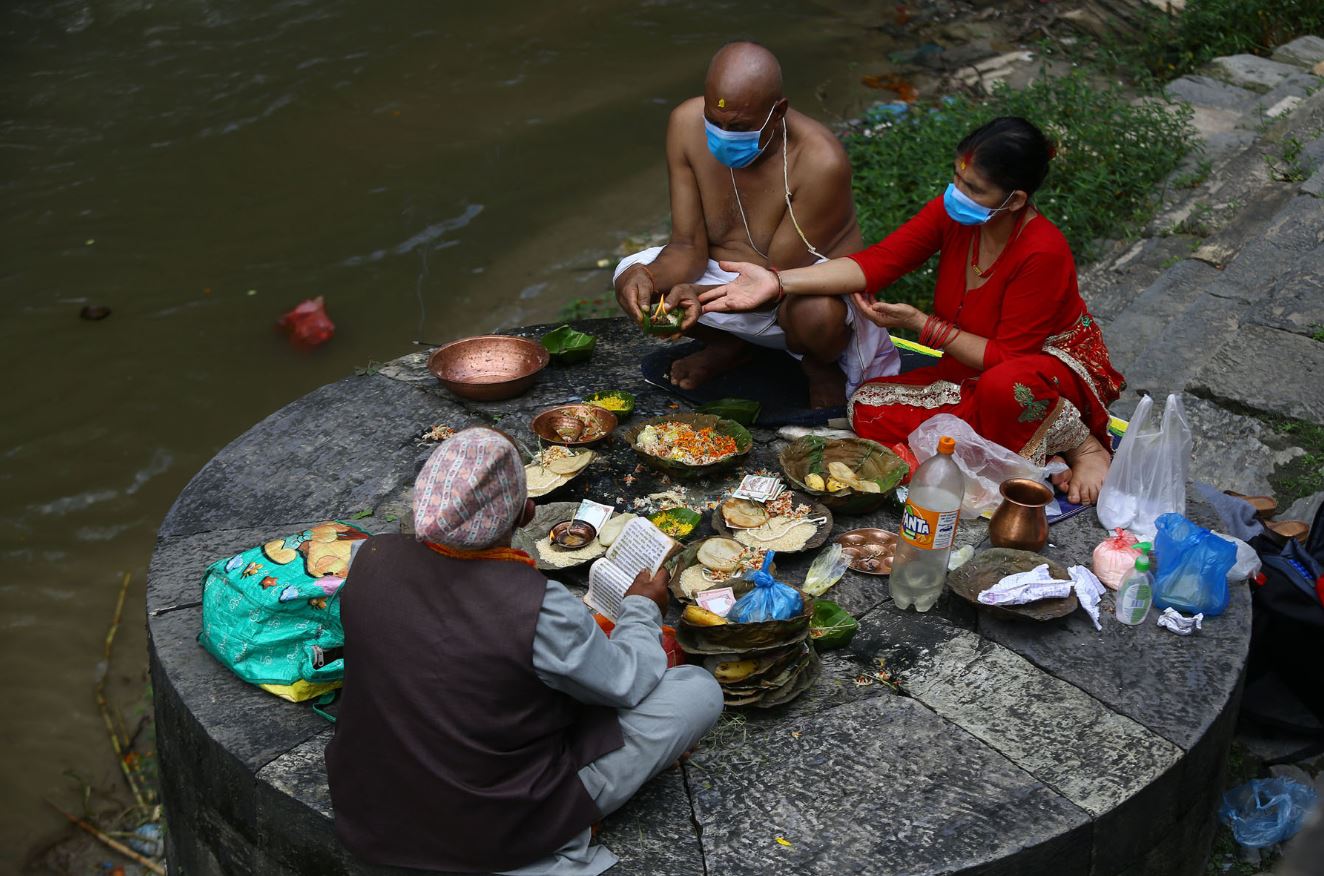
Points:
[(743, 75)]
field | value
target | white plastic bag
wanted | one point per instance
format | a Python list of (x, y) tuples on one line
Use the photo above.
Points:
[(1148, 473), (1248, 561), (985, 464)]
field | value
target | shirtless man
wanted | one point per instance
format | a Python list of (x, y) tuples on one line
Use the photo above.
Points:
[(738, 157)]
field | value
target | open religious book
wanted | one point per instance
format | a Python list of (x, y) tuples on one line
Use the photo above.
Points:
[(641, 546)]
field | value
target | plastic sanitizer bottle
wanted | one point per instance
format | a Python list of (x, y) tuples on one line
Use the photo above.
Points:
[(1136, 594), (928, 528)]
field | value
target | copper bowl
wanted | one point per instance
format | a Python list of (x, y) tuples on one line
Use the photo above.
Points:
[(571, 535), (566, 425), (488, 367)]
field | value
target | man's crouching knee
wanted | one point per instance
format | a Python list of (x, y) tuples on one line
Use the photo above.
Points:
[(701, 692)]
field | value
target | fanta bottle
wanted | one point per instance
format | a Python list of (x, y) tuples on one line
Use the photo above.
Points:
[(928, 528)]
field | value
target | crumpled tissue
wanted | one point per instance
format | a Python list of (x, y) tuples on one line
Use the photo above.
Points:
[(1039, 583), (1023, 587), (1088, 589), (1173, 620)]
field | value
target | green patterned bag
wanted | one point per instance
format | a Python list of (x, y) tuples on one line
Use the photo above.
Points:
[(271, 614)]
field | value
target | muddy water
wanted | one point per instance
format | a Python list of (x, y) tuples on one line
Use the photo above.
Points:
[(433, 169)]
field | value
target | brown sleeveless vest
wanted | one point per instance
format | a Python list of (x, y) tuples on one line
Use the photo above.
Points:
[(449, 752)]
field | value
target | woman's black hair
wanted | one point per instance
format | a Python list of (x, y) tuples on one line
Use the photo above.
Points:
[(1012, 152)]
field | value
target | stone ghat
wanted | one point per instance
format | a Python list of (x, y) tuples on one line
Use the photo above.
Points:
[(1006, 747)]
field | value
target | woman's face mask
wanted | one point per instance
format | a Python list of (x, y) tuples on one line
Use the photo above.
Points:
[(735, 149), (965, 210)]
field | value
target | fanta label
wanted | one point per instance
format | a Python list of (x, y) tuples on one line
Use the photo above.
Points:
[(930, 530)]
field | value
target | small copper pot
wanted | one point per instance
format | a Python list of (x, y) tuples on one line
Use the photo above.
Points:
[(1021, 521)]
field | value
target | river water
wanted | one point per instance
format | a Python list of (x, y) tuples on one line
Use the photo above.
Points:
[(199, 166)]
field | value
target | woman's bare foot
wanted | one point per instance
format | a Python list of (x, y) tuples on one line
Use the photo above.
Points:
[(1089, 466), (827, 385), (718, 355), (1061, 480)]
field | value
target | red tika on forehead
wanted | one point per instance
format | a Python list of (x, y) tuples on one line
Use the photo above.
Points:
[(966, 159)]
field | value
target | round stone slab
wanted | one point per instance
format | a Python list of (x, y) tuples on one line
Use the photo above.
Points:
[(942, 743)]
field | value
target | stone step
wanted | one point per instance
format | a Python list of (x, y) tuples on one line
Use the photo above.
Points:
[(1146, 319), (1251, 71), (1306, 51), (1218, 106), (1267, 370), (1189, 319)]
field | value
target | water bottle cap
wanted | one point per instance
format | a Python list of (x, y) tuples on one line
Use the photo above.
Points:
[(946, 444)]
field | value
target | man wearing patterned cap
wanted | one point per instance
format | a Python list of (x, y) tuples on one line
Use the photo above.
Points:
[(487, 723)]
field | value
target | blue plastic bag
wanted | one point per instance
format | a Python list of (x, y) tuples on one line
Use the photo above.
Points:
[(769, 600), (1192, 567), (1263, 812)]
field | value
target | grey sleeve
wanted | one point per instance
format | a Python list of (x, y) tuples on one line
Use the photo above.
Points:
[(571, 654)]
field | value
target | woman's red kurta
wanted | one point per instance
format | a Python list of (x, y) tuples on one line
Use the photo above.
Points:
[(1046, 382)]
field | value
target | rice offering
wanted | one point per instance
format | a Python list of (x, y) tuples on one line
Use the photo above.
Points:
[(681, 442), (560, 558)]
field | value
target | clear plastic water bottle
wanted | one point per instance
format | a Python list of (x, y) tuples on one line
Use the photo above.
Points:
[(928, 528)]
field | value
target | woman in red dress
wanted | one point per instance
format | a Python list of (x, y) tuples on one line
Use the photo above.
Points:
[(1024, 361)]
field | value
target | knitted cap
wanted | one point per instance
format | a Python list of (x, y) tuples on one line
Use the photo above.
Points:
[(470, 492)]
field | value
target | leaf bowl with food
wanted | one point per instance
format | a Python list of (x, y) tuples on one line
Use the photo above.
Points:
[(660, 322), (689, 445), (848, 475), (618, 401)]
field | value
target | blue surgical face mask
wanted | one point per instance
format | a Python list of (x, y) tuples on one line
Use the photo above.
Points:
[(735, 149), (963, 209)]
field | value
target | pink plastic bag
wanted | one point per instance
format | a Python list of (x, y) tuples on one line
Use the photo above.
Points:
[(1114, 557), (308, 325)]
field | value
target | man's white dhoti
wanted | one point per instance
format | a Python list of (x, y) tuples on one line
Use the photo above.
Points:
[(869, 354)]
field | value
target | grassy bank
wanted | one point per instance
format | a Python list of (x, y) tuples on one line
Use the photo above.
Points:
[(1103, 182), (1171, 45)]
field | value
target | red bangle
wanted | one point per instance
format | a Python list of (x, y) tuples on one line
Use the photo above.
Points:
[(781, 290), (926, 333), (942, 333)]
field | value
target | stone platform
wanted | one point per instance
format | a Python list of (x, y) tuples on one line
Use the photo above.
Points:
[(1003, 748)]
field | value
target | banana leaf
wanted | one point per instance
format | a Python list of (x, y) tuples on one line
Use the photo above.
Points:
[(831, 627), (622, 402), (568, 346), (744, 411), (868, 459), (676, 522)]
